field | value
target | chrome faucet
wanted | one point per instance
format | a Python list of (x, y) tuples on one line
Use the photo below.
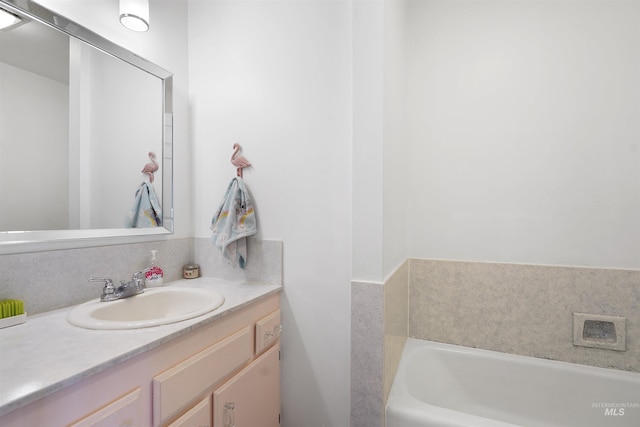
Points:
[(126, 289), (138, 277)]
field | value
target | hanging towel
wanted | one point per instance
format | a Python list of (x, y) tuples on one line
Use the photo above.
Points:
[(233, 222), (146, 211)]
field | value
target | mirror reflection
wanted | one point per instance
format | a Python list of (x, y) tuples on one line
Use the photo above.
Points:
[(85, 139)]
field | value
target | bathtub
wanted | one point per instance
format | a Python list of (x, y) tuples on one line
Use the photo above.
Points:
[(442, 385)]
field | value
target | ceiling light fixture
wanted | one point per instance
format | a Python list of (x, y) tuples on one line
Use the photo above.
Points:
[(8, 19), (134, 14)]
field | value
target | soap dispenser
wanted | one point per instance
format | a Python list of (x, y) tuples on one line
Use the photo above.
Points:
[(155, 275)]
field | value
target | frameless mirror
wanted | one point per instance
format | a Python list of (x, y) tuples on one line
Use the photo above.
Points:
[(80, 118)]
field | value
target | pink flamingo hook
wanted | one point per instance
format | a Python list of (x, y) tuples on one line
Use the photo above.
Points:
[(239, 161), (151, 167)]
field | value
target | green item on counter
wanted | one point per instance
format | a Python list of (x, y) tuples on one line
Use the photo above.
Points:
[(11, 307)]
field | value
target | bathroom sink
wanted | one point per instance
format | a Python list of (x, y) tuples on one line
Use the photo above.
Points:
[(158, 306)]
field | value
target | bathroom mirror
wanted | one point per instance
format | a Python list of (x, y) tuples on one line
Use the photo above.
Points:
[(79, 119)]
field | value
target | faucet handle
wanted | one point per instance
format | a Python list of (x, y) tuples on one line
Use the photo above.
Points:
[(137, 274), (138, 278), (108, 289)]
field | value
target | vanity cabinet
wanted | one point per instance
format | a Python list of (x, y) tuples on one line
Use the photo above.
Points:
[(123, 412), (178, 383), (252, 397), (198, 416), (267, 331), (176, 387)]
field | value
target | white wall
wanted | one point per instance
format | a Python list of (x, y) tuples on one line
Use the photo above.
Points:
[(368, 140), (380, 158), (523, 124), (396, 151), (33, 175), (113, 132), (166, 45), (275, 76)]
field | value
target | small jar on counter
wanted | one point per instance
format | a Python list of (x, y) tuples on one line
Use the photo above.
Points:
[(191, 271)]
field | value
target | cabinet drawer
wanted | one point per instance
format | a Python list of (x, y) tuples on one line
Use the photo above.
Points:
[(123, 412), (252, 397), (184, 382), (198, 416), (267, 331)]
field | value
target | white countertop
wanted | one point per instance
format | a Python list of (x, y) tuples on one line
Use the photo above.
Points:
[(46, 353)]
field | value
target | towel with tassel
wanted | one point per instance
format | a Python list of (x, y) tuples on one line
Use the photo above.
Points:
[(233, 222), (146, 211)]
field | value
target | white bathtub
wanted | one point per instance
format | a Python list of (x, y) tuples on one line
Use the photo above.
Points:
[(441, 385)]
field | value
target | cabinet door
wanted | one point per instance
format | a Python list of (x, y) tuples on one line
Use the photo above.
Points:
[(252, 397), (123, 412), (198, 416), (179, 385)]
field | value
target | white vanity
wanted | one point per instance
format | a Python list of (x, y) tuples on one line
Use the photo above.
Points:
[(219, 369)]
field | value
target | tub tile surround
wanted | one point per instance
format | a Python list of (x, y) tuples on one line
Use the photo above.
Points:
[(49, 280), (512, 308), (367, 354), (396, 322), (523, 309), (379, 326)]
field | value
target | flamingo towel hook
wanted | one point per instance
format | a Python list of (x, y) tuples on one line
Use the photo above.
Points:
[(238, 160), (151, 167)]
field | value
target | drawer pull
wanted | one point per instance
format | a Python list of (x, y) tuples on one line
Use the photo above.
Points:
[(230, 406), (274, 334)]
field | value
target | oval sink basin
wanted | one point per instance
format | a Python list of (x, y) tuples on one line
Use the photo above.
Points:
[(154, 307)]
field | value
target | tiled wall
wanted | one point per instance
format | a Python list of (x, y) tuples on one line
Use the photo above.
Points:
[(54, 279), (523, 309), (367, 354), (512, 308), (264, 261), (379, 326), (49, 280), (396, 322)]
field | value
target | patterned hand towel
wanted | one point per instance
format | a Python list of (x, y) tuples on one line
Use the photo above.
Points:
[(146, 211), (233, 222)]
